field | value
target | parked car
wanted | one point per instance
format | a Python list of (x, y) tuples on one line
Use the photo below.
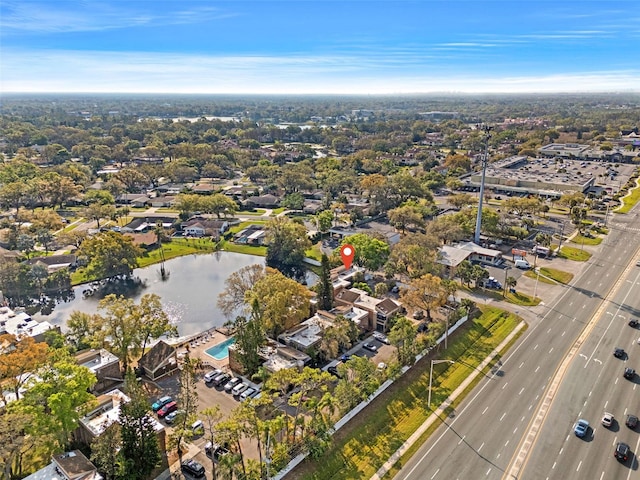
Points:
[(629, 373), (632, 421), (369, 346), (171, 417), (607, 419), (345, 358), (238, 389), (221, 379), (193, 468), (231, 384), (197, 427), (633, 323), (333, 370), (622, 451), (216, 451), (581, 428), (418, 315), (167, 409), (161, 402), (209, 376), (618, 353), (248, 393), (381, 337)]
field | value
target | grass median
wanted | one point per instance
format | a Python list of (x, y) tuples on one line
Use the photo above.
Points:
[(365, 443), (550, 275)]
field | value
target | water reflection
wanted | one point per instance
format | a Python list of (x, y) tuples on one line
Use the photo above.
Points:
[(189, 292)]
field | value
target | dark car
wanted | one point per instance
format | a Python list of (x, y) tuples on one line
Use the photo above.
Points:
[(632, 421), (167, 409), (622, 451), (345, 358), (618, 353), (629, 373), (370, 346), (192, 468), (333, 370), (633, 323)]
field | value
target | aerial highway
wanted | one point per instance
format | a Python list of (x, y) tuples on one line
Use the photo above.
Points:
[(489, 429)]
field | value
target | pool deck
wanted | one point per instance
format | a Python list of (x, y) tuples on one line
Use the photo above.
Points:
[(199, 344)]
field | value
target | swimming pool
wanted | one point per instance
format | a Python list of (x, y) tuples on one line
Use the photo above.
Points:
[(220, 351)]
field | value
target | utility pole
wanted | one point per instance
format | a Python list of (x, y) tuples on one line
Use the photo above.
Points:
[(561, 236), (485, 159)]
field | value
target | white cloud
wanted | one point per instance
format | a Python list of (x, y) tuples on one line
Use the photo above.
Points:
[(59, 17), (64, 71)]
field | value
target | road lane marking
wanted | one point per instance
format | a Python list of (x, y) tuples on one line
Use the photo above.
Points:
[(605, 405), (554, 465), (563, 333), (480, 447), (485, 410), (551, 350), (535, 346), (505, 385), (506, 443), (579, 465), (434, 475), (461, 439), (521, 365), (536, 370), (520, 392), (488, 471), (503, 415)]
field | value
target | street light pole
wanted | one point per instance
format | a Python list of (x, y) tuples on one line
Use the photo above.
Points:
[(431, 378), (535, 289)]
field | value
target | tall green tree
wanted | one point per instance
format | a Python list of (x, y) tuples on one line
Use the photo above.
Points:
[(371, 253), (324, 287), (109, 254), (56, 397), (249, 338), (188, 401), (140, 448), (403, 336), (287, 243), (107, 454)]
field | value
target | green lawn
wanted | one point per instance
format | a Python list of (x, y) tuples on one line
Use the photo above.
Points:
[(385, 425), (228, 246), (575, 254), (582, 240), (552, 274), (629, 201)]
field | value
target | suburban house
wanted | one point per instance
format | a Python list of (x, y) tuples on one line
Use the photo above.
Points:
[(107, 411), (204, 227), (71, 465), (159, 361), (104, 365), (133, 199), (262, 201), (252, 235), (163, 201), (379, 311), (55, 262), (19, 322)]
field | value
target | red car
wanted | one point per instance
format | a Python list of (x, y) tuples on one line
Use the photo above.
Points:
[(168, 408)]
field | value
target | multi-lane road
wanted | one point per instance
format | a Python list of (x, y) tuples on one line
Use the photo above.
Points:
[(491, 429)]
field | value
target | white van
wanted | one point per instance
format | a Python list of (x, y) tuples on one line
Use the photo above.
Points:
[(523, 264)]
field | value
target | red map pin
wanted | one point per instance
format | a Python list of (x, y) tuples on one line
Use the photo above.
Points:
[(347, 252)]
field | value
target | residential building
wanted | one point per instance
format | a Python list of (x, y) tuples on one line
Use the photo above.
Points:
[(19, 323), (104, 365), (379, 312), (53, 263), (67, 466), (159, 361), (107, 411)]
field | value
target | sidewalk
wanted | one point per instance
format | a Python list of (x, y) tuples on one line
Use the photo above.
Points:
[(435, 416)]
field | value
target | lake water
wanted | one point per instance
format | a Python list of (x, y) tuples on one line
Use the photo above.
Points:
[(189, 295)]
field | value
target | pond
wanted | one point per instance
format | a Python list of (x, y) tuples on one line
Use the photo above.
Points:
[(189, 294)]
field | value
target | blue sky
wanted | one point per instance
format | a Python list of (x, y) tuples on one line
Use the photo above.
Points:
[(309, 46)]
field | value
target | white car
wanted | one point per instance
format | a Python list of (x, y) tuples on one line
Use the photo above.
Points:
[(238, 389), (381, 337), (209, 376), (607, 419)]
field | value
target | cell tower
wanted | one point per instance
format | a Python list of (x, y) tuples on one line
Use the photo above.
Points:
[(485, 158)]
